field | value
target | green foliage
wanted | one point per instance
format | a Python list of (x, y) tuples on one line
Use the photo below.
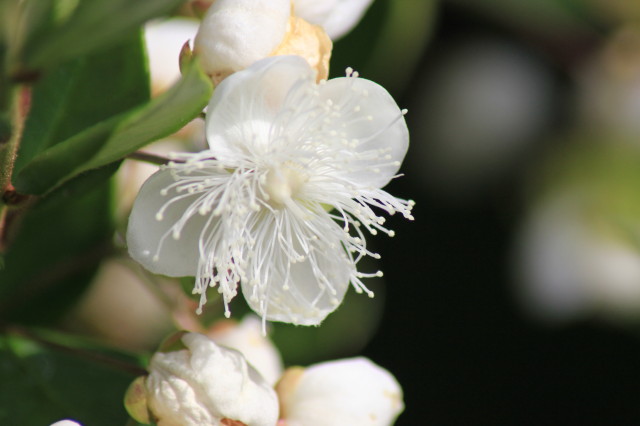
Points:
[(55, 253), (76, 28), (46, 380), (113, 139), (83, 93)]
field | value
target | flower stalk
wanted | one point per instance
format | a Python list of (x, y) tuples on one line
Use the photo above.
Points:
[(18, 106)]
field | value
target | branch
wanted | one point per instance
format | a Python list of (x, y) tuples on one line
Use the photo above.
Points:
[(97, 357), (149, 158)]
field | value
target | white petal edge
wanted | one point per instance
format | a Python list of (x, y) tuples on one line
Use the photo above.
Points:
[(341, 17), (306, 301), (176, 257), (381, 127), (245, 104), (314, 11), (247, 338)]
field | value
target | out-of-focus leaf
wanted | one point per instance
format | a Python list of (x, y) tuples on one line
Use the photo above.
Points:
[(81, 94), (45, 382), (21, 21), (57, 249), (102, 145), (552, 17), (89, 26)]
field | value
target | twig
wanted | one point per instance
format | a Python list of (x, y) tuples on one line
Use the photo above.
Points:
[(97, 357), (19, 107), (149, 158)]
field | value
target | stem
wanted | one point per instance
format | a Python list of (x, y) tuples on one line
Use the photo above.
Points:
[(18, 108), (149, 158), (97, 357)]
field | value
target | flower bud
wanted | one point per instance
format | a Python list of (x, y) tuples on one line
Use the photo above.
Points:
[(236, 33), (247, 338), (347, 392), (206, 384)]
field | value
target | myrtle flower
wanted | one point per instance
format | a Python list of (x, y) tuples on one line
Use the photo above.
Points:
[(283, 196), (354, 392), (337, 17), (236, 33), (202, 384)]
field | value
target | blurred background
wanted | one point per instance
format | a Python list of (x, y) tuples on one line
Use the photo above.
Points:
[(514, 296)]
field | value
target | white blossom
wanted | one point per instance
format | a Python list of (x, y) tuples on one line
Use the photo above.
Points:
[(205, 384), (282, 198), (354, 392), (236, 33), (66, 423), (247, 338), (337, 17)]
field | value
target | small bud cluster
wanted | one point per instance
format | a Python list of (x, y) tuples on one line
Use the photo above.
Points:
[(205, 383)]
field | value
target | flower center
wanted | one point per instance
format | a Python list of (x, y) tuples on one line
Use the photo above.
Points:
[(283, 183)]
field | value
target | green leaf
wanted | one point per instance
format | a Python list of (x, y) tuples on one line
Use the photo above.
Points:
[(53, 165), (56, 251), (50, 381), (103, 144), (89, 26), (83, 93), (162, 117)]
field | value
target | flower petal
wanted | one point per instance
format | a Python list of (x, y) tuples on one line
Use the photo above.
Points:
[(351, 391), (236, 33), (247, 338), (205, 384), (312, 290), (345, 16), (245, 105), (371, 117), (337, 17), (147, 236)]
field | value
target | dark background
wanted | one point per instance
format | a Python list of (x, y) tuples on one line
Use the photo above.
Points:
[(452, 331)]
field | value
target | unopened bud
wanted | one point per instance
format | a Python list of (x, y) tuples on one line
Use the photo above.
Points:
[(347, 392), (236, 33), (207, 384), (247, 338)]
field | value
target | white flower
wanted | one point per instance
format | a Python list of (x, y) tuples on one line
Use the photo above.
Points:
[(206, 383), (254, 207), (66, 423), (337, 17), (247, 338), (354, 392), (236, 33)]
